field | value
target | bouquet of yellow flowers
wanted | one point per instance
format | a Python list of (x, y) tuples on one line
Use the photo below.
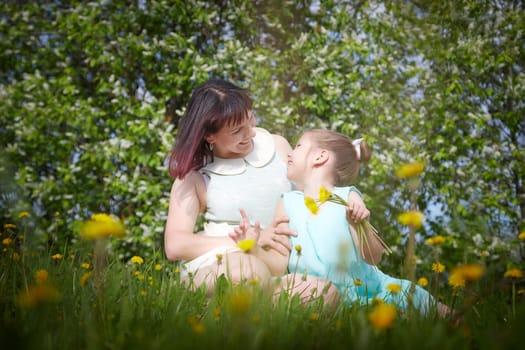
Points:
[(362, 228)]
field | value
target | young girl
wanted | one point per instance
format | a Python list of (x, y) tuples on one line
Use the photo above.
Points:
[(328, 239)]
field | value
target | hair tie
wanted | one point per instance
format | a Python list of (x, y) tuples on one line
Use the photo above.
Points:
[(357, 147)]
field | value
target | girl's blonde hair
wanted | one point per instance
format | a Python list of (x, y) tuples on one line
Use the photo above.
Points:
[(346, 162)]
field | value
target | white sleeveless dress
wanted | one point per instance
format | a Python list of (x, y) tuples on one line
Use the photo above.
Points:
[(254, 184)]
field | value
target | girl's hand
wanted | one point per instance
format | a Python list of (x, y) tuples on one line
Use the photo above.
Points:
[(244, 230), (356, 210)]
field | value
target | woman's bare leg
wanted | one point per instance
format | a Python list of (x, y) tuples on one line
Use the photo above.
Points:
[(236, 267), (309, 288)]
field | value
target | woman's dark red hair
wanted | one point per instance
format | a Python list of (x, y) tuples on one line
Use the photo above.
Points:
[(212, 105)]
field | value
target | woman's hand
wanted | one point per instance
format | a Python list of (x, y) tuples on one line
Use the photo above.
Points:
[(276, 236), (245, 230)]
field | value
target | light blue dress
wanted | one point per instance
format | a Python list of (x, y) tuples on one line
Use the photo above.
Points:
[(328, 251)]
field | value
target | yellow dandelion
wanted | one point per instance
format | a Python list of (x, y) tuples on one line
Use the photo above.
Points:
[(85, 278), (382, 316), (311, 205), (377, 300), (324, 194), (314, 316), (456, 280), (102, 225), (41, 276), (158, 267), (7, 241), (422, 281), (137, 260), (85, 265), (410, 170), (246, 245), (298, 249), (470, 272), (216, 314), (357, 282), (513, 273), (520, 291), (411, 218), (435, 240), (143, 293), (393, 288), (139, 275), (15, 256), (57, 256), (219, 258), (23, 214), (8, 226), (196, 325), (239, 301), (438, 267), (37, 294), (521, 236)]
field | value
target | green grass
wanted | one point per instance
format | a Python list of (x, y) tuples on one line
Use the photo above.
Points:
[(144, 306)]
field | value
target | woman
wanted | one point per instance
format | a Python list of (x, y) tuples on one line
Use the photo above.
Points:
[(222, 163)]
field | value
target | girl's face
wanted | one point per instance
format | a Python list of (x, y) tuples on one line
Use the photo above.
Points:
[(234, 141), (300, 159)]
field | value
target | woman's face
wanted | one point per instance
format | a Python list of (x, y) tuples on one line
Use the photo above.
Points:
[(234, 141)]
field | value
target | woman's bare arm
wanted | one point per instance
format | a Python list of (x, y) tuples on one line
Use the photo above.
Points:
[(187, 200)]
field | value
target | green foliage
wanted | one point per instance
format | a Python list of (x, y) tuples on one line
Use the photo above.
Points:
[(84, 127)]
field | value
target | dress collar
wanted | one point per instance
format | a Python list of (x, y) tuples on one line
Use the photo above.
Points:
[(262, 154)]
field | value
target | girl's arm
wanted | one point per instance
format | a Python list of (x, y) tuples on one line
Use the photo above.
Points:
[(187, 200), (370, 247)]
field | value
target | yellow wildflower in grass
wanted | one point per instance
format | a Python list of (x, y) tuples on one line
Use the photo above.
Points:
[(410, 170), (422, 281), (239, 301), (435, 240), (456, 280), (393, 288), (357, 282), (86, 266), (140, 276), (137, 260), (37, 294), (246, 245), (7, 241), (15, 256), (513, 273), (196, 325), (85, 278), (158, 267), (23, 214), (298, 249), (41, 276), (324, 194), (438, 267), (102, 225), (411, 218), (521, 291), (143, 293), (311, 205), (382, 316), (469, 272), (57, 256), (216, 314), (521, 236), (314, 316), (8, 226), (219, 258)]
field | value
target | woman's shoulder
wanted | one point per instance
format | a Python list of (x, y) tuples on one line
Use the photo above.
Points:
[(193, 182), (282, 146)]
